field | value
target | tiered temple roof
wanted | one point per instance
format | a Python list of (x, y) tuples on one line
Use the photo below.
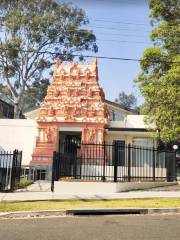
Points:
[(74, 95)]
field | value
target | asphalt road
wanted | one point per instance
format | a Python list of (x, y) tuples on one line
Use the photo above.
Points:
[(155, 227)]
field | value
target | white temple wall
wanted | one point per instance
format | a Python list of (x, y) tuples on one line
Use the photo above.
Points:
[(128, 137), (18, 134), (130, 121)]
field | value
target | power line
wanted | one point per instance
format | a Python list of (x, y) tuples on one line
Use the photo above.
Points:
[(119, 41), (119, 1), (112, 1), (86, 56), (120, 22), (122, 35), (126, 29), (118, 29)]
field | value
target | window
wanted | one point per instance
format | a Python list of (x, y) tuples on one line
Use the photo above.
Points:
[(119, 116), (143, 154), (41, 174), (116, 116), (143, 142)]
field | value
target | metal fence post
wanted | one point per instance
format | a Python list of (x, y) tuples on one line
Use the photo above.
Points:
[(18, 165), (115, 161), (104, 162), (53, 171), (129, 162), (13, 170), (167, 167), (175, 169), (171, 166), (154, 165)]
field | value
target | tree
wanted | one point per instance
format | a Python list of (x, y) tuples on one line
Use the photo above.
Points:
[(33, 96), (128, 101), (159, 79), (30, 31)]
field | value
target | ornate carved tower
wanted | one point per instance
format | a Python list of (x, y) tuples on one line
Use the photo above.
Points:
[(74, 99)]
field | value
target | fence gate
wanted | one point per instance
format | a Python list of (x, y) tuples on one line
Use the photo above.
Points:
[(10, 170), (65, 162)]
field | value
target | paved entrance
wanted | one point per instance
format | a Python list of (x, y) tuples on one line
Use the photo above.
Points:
[(38, 186)]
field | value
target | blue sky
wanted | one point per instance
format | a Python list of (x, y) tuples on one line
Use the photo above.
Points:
[(122, 29)]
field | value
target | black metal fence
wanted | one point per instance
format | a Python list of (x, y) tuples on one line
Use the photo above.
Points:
[(113, 162), (10, 170)]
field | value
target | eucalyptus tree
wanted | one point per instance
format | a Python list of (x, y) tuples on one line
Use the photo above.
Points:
[(159, 80), (127, 100), (32, 34)]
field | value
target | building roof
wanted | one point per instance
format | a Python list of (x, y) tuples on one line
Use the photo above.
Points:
[(133, 111), (123, 129), (5, 100)]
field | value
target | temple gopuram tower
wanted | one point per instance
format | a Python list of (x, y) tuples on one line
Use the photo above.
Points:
[(73, 108)]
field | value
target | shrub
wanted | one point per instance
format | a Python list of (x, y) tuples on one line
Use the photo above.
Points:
[(24, 183)]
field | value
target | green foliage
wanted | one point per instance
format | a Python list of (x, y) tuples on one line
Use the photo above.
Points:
[(30, 30), (25, 183), (167, 10), (34, 95), (128, 101), (159, 80)]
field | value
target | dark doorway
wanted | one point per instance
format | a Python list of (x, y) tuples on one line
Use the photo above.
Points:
[(69, 144), (69, 141), (119, 152)]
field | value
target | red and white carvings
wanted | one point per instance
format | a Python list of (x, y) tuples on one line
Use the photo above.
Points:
[(74, 98)]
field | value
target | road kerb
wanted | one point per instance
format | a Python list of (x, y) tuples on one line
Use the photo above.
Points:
[(88, 212), (31, 214)]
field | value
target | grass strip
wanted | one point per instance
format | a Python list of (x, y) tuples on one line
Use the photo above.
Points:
[(12, 206)]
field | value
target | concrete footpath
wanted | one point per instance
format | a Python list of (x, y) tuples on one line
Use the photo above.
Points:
[(23, 196)]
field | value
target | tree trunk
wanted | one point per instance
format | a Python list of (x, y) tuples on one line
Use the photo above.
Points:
[(17, 110)]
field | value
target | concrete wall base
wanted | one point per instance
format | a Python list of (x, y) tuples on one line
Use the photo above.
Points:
[(104, 188), (124, 187)]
